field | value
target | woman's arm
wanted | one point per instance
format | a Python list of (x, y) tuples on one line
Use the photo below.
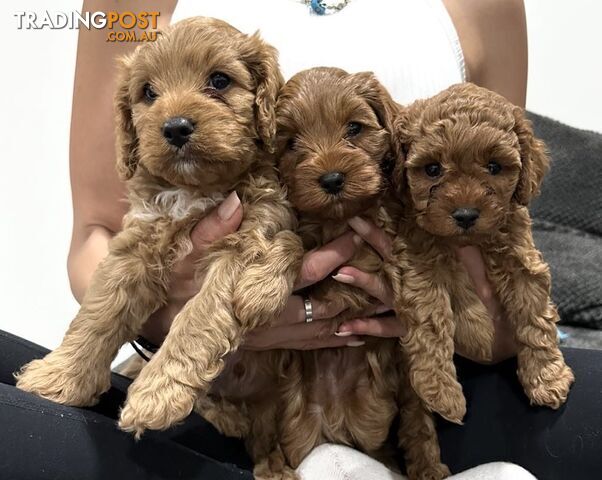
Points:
[(493, 35), (97, 194)]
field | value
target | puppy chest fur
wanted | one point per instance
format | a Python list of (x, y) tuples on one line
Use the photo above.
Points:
[(175, 204)]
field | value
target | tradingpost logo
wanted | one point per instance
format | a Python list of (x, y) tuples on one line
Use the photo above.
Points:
[(120, 26)]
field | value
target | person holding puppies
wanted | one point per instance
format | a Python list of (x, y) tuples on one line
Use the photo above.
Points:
[(484, 42)]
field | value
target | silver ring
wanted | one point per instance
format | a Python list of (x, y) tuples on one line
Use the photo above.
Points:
[(309, 310)]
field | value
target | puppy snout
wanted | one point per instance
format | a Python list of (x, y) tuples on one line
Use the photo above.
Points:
[(177, 131), (332, 182), (465, 217)]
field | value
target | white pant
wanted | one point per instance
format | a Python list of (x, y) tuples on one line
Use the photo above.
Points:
[(337, 462)]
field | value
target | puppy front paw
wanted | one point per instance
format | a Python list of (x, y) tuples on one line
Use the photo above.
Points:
[(155, 403), (260, 300), (442, 394), (56, 378), (548, 386), (274, 467), (429, 472), (287, 474)]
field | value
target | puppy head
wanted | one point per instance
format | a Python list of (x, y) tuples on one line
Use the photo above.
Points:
[(334, 141), (194, 107), (470, 154)]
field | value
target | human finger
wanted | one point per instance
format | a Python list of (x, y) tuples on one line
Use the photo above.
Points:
[(221, 221), (386, 327), (294, 312), (374, 285), (376, 237), (317, 264)]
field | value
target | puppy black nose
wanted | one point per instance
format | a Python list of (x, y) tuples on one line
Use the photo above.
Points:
[(332, 182), (177, 131), (465, 217)]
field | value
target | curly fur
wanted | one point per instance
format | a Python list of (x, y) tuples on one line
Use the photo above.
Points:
[(248, 275), (464, 129), (300, 399)]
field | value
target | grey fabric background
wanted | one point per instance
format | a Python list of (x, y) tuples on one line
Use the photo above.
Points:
[(567, 225)]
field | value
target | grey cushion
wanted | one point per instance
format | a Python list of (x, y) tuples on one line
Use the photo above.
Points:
[(568, 223)]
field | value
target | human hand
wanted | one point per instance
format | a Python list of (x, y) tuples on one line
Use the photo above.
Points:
[(222, 221), (504, 343), (389, 326), (386, 326), (291, 331)]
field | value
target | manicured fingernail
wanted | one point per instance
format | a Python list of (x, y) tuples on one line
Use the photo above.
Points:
[(359, 225), (228, 207), (344, 330), (382, 309), (356, 343), (343, 334), (341, 277), (357, 240)]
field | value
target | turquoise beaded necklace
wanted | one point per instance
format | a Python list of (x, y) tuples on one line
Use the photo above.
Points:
[(324, 7)]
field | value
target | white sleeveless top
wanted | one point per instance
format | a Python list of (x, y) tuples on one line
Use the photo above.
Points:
[(411, 45)]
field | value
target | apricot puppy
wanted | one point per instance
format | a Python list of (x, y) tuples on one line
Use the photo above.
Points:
[(195, 121), (471, 166), (335, 155)]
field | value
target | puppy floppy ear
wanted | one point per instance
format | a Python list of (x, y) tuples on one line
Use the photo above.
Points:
[(262, 62), (386, 110), (534, 159), (125, 133), (377, 96), (402, 139)]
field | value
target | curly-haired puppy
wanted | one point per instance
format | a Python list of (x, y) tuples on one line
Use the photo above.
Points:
[(335, 154), (195, 118), (471, 166)]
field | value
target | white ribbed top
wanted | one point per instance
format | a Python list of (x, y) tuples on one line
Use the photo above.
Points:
[(411, 45)]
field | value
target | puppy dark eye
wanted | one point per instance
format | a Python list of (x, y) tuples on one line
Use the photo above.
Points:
[(433, 169), (353, 129), (149, 94), (219, 80), (494, 168)]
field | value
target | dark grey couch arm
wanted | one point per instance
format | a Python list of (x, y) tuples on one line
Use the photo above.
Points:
[(568, 220)]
